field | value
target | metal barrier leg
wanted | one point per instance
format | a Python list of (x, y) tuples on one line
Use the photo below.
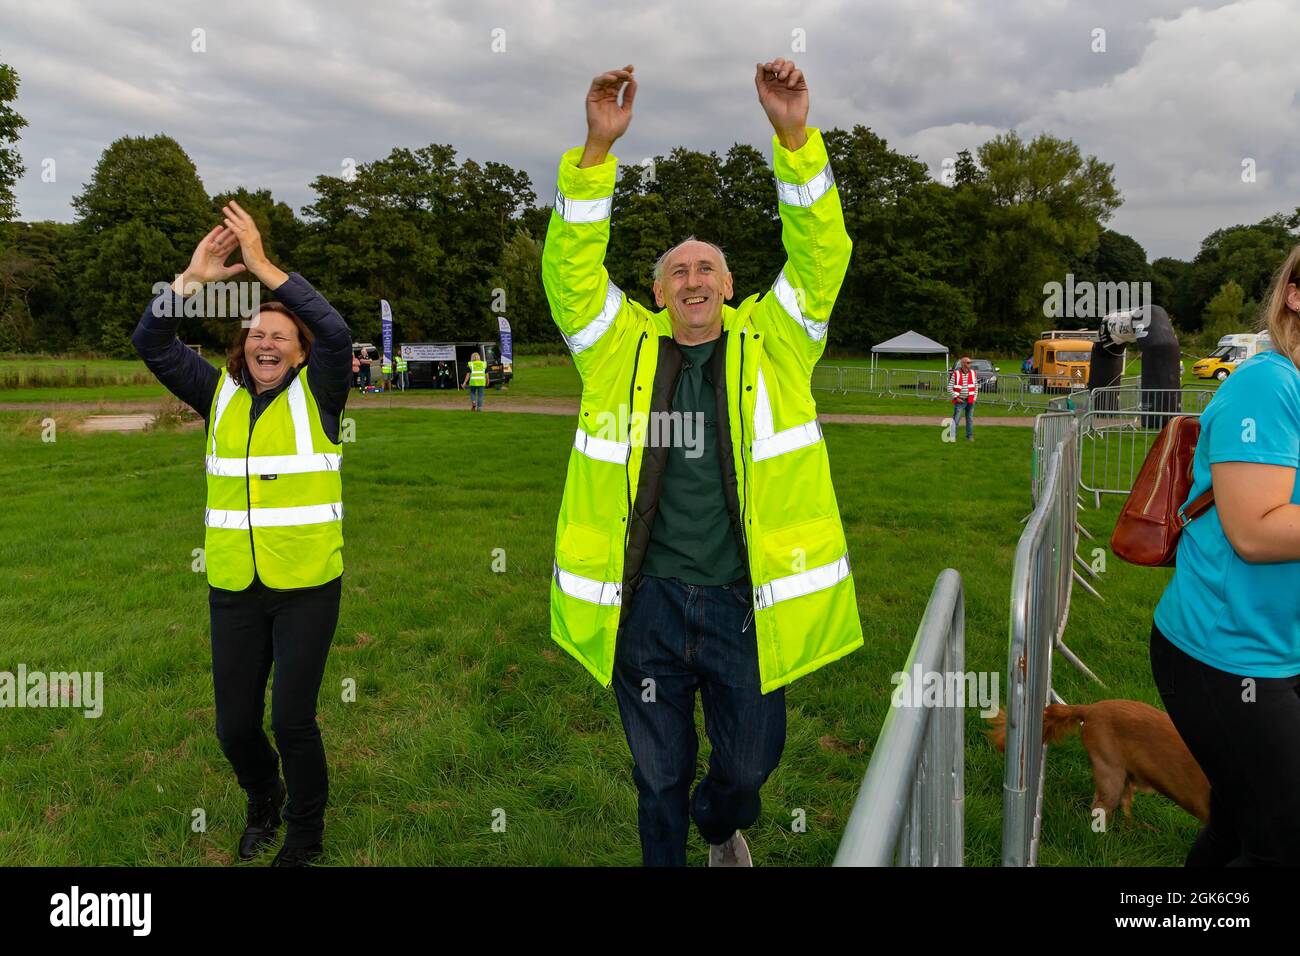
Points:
[(1069, 655)]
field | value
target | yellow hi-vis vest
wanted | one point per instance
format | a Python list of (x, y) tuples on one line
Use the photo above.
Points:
[(805, 607), (478, 373), (275, 497)]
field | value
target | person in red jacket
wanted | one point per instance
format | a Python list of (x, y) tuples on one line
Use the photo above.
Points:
[(963, 386)]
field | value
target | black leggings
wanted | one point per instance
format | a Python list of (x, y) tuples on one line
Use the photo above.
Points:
[(1249, 750), (250, 630)]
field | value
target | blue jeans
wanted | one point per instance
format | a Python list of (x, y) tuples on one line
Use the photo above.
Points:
[(476, 396), (680, 638), (956, 416)]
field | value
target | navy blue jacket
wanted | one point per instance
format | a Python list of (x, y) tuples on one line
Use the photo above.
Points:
[(194, 381)]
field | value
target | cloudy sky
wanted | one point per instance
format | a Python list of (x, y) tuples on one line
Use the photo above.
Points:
[(1180, 97)]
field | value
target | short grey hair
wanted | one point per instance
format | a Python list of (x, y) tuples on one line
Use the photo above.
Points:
[(662, 260)]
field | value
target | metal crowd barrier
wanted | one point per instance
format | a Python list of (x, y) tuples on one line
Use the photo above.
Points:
[(910, 807), (1035, 393), (1050, 429), (1115, 442), (828, 378), (1123, 398), (1041, 580)]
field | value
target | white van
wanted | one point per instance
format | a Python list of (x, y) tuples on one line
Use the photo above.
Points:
[(1231, 351)]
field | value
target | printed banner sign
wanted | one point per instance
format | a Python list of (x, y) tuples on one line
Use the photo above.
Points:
[(504, 325)]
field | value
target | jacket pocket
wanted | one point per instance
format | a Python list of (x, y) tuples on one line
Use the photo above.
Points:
[(582, 549), (801, 547)]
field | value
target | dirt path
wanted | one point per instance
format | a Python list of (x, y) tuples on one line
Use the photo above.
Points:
[(538, 407)]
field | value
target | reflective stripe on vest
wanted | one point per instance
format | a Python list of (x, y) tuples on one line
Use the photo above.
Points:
[(589, 334), (273, 465), (601, 449), (805, 194), (801, 584), (273, 517), (789, 300), (768, 443), (588, 589), (583, 210)]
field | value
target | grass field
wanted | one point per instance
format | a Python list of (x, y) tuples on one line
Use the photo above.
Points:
[(546, 378), (464, 706)]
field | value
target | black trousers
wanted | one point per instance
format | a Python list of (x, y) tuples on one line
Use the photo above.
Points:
[(251, 630), (1245, 734)]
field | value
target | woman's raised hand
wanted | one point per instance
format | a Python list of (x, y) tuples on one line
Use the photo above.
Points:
[(245, 230), (208, 264)]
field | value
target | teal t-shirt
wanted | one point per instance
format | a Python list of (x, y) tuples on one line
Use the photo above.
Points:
[(692, 539), (1233, 615)]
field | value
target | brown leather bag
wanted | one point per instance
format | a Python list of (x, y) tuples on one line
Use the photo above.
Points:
[(1150, 523)]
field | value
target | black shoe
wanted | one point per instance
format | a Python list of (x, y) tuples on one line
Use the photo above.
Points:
[(263, 822), (298, 855)]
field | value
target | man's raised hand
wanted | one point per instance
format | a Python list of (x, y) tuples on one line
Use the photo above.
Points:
[(607, 118), (783, 94)]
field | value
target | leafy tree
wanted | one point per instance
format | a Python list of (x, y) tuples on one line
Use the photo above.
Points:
[(519, 276), (148, 180), (35, 289), (138, 220), (1223, 313), (1037, 208), (117, 282), (419, 230), (11, 164), (1167, 278), (1245, 255)]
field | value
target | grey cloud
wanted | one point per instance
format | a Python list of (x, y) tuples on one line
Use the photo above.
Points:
[(288, 90)]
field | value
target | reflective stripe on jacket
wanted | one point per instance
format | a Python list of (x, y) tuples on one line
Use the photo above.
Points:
[(805, 608), (275, 497)]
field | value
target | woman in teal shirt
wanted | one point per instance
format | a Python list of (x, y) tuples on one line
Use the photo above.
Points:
[(1225, 643)]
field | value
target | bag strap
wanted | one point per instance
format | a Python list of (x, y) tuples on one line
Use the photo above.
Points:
[(1196, 507)]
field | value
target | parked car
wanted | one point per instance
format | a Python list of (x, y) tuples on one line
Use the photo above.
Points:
[(986, 374)]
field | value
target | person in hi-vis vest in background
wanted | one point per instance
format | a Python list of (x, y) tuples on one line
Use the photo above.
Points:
[(274, 523), (476, 377), (717, 564), (964, 387)]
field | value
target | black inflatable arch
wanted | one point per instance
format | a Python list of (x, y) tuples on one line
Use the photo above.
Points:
[(1161, 378)]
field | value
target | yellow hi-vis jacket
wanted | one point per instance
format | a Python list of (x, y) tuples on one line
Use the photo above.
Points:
[(805, 608), (275, 496), (477, 374)]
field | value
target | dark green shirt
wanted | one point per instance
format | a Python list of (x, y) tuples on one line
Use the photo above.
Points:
[(692, 538)]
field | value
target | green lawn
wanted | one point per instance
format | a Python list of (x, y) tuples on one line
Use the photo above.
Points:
[(545, 378), (464, 705)]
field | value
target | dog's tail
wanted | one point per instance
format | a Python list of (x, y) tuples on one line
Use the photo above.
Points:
[(1059, 721), (997, 730)]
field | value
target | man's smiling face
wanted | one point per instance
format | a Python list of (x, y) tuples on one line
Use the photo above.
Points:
[(693, 284)]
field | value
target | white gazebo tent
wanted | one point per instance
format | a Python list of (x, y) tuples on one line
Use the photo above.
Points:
[(909, 343)]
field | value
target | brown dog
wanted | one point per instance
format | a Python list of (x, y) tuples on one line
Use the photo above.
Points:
[(1132, 746)]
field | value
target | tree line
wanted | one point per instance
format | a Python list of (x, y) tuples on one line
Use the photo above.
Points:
[(451, 242)]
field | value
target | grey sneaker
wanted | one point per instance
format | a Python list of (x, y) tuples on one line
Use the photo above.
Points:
[(734, 852)]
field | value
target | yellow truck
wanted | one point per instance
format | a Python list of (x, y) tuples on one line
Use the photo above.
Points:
[(1062, 359), (1231, 351)]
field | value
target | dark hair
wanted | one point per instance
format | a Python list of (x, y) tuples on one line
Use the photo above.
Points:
[(236, 364)]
